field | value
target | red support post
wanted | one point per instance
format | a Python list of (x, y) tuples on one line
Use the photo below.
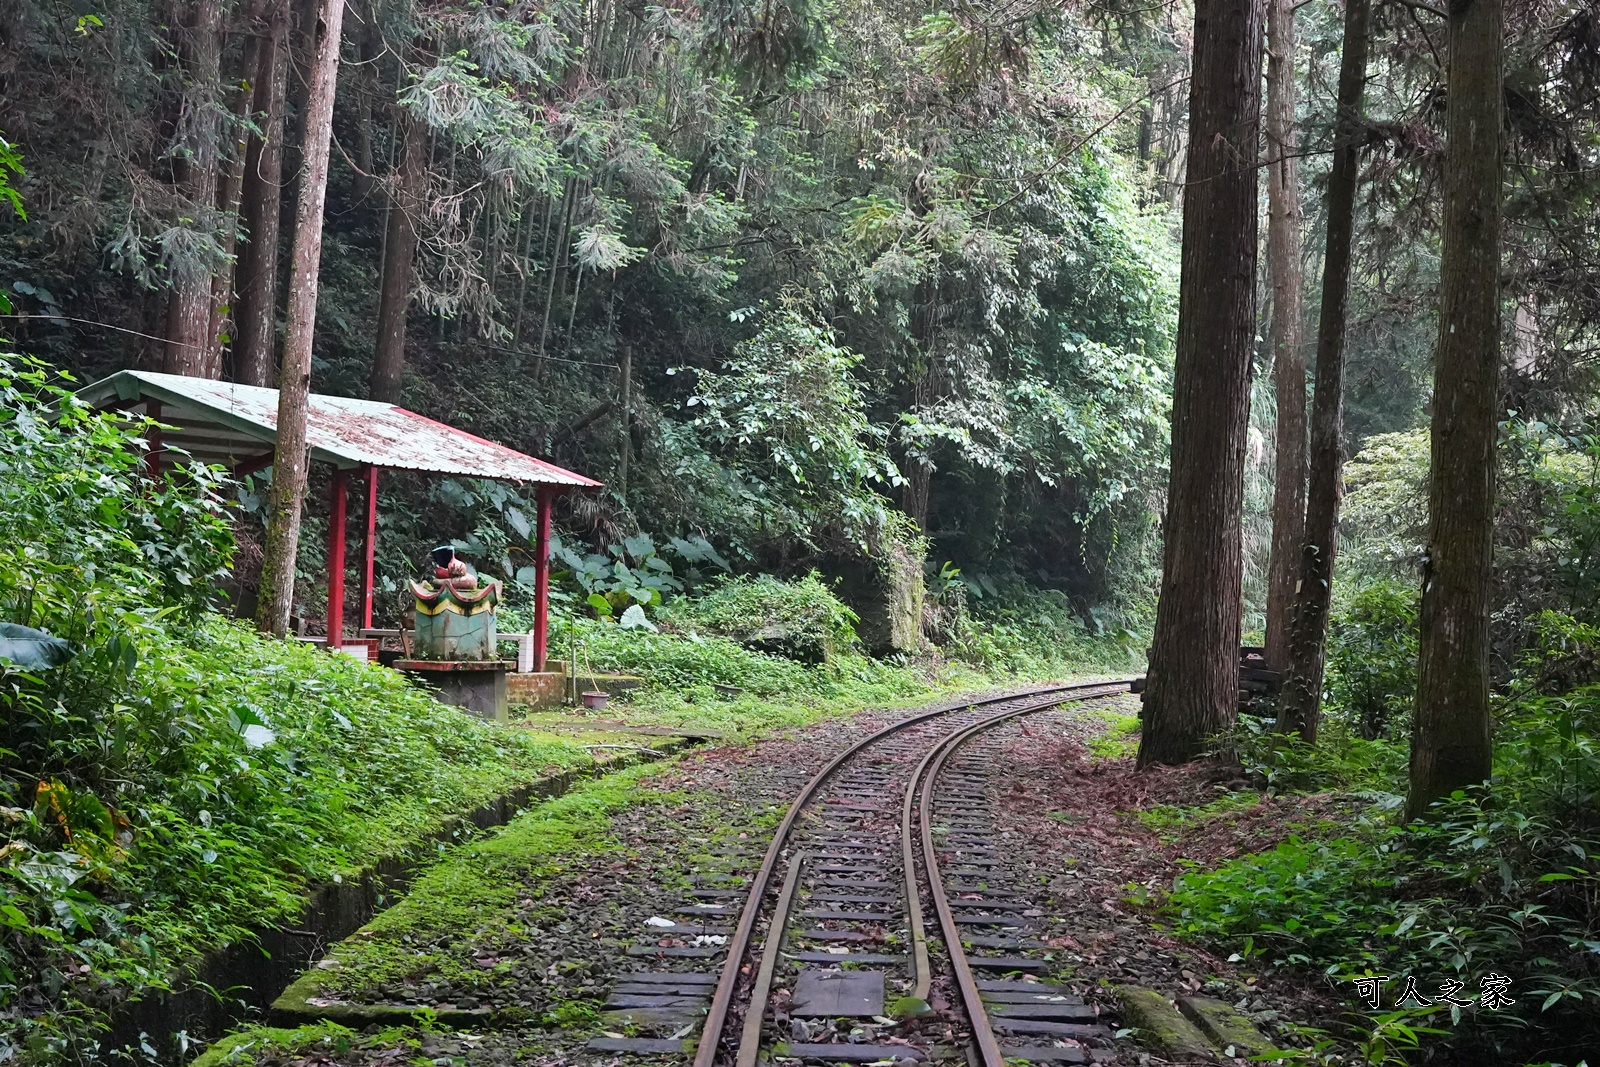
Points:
[(541, 583), (369, 546), (336, 521)]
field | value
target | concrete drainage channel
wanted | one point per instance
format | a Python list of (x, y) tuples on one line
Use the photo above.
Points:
[(229, 984)]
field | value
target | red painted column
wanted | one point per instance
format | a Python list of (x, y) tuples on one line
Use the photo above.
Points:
[(541, 583), (336, 521), (369, 546)]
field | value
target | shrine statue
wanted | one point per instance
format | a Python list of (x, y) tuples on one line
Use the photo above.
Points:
[(448, 570), (455, 593)]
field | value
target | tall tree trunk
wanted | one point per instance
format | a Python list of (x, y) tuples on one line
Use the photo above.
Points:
[(190, 305), (255, 349), (625, 453), (368, 45), (1193, 687), (399, 250), (1288, 334), (1450, 745), (1300, 703), (287, 500), (230, 192)]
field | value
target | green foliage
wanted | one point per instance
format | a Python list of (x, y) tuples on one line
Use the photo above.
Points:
[(176, 780), (1372, 660), (632, 572), (1384, 511), (801, 619), (1035, 633), (1500, 882), (791, 417)]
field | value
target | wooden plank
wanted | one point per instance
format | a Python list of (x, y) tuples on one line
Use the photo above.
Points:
[(847, 957), (654, 1000), (643, 1046), (1041, 993), (1005, 963), (1045, 1026), (1077, 1013), (1012, 985), (1046, 1054), (847, 1053), (670, 978), (837, 993)]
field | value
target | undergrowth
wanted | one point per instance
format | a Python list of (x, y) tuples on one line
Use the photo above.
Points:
[(168, 780), (1467, 936)]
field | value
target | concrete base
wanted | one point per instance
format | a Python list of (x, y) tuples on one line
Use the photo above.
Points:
[(538, 689), (478, 686), (548, 689)]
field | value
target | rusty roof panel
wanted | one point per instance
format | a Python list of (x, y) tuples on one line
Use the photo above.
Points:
[(340, 430)]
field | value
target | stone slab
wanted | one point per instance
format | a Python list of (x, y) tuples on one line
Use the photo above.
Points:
[(1225, 1025), (1161, 1027)]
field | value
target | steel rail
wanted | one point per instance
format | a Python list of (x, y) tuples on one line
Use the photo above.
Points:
[(932, 764), (739, 943)]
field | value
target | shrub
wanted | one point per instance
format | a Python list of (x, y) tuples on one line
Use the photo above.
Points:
[(800, 619), (1372, 660), (178, 780)]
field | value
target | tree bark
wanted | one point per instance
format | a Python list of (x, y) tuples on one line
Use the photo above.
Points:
[(626, 451), (1450, 735), (368, 84), (255, 361), (1193, 687), (1300, 703), (287, 499), (230, 192), (399, 252), (189, 307), (1288, 334)]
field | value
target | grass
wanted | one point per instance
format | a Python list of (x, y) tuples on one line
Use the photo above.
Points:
[(1120, 740)]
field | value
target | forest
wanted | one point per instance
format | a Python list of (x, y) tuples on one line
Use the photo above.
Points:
[(920, 348)]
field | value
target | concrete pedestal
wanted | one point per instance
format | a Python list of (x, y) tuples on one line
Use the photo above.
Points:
[(478, 686)]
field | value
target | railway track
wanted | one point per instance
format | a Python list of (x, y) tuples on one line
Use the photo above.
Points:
[(883, 889)]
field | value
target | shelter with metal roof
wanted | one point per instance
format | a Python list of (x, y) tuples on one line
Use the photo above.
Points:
[(236, 426)]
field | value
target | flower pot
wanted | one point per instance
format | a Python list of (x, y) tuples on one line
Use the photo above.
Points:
[(595, 701)]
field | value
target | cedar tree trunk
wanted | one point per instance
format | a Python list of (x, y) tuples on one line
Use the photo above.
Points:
[(190, 305), (287, 499), (1288, 333), (1450, 746), (262, 200), (1193, 687), (1300, 703), (399, 252)]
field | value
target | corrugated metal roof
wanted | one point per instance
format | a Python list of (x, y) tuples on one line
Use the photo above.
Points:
[(221, 422)]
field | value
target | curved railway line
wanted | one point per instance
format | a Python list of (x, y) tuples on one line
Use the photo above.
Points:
[(895, 826)]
